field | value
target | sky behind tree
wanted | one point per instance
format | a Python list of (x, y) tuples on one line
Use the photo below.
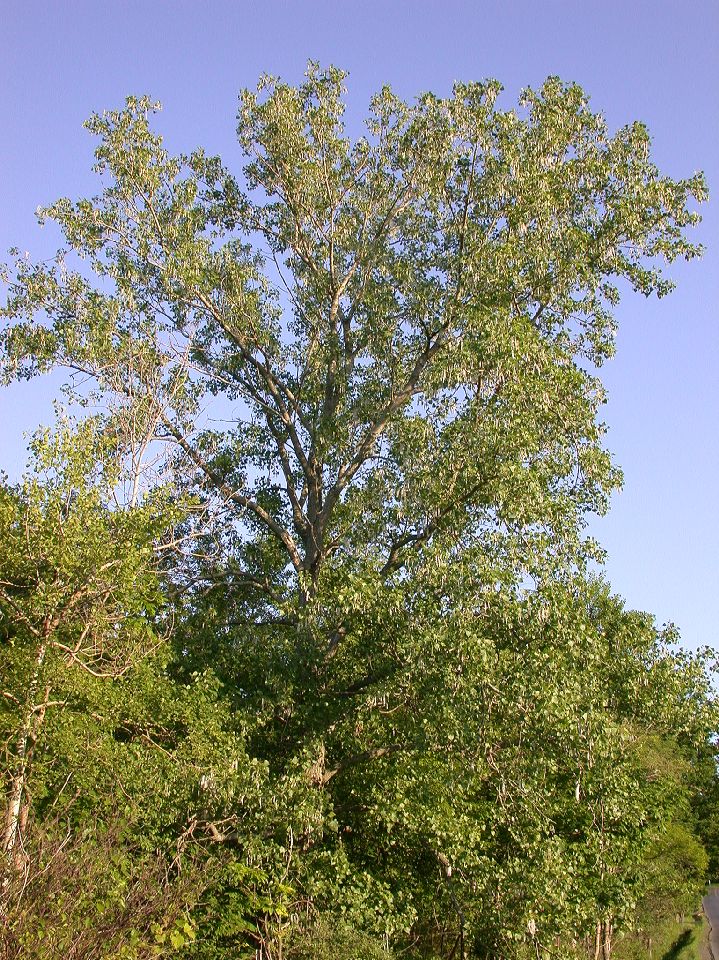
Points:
[(638, 60)]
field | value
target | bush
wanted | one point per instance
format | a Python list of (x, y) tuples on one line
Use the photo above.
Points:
[(329, 940), (94, 897)]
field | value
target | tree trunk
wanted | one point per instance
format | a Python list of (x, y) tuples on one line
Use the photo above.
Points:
[(16, 804), (605, 927)]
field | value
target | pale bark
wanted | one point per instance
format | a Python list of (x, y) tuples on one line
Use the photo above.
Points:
[(16, 807)]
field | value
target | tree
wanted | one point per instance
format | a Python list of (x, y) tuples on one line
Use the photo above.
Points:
[(115, 774), (401, 332), (77, 595), (399, 324)]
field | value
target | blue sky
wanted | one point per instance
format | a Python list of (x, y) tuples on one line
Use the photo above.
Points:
[(653, 61)]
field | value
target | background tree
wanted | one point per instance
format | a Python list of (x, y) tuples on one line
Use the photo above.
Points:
[(112, 770), (77, 594)]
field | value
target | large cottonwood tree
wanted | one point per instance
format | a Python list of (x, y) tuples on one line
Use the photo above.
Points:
[(402, 322), (399, 332)]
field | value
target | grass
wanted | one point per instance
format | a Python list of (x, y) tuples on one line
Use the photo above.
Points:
[(688, 944), (673, 941)]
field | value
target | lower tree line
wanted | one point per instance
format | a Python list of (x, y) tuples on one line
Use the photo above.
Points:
[(530, 773)]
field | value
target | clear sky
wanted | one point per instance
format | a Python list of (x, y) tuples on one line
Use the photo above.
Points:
[(651, 60)]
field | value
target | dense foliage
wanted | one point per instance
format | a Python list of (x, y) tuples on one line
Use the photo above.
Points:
[(301, 652)]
